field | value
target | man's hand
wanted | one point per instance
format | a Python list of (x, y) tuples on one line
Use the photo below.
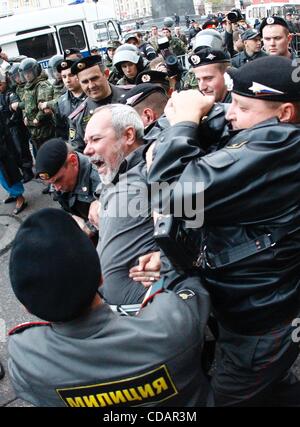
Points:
[(188, 106), (14, 106), (25, 121), (94, 213), (35, 122), (148, 270), (42, 105)]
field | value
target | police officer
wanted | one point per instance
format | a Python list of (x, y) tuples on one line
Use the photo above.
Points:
[(72, 53), (73, 178), (83, 354), (18, 131), (252, 48), (111, 48), (57, 83), (249, 254), (69, 101), (37, 89), (276, 37), (129, 63), (91, 75), (209, 66)]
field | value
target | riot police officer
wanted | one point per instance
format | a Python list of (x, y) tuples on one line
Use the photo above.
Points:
[(129, 63), (37, 89)]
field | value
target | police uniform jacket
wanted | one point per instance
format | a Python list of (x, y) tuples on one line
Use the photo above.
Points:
[(80, 117), (250, 253), (78, 201), (104, 360), (242, 58), (66, 104)]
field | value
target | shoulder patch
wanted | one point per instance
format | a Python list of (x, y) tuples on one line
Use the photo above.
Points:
[(23, 326), (78, 110), (185, 294)]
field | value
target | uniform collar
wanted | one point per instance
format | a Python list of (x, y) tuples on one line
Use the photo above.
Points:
[(87, 325)]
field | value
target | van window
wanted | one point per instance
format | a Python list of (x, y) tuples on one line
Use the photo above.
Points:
[(39, 47), (72, 37)]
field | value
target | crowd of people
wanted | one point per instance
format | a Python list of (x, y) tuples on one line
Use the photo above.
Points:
[(127, 291)]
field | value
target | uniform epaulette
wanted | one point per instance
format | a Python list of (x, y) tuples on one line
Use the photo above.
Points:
[(23, 326), (155, 289), (78, 110)]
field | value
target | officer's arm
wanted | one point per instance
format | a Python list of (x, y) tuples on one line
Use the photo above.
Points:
[(44, 93)]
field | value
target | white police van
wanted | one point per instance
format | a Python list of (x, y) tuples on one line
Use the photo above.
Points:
[(41, 34)]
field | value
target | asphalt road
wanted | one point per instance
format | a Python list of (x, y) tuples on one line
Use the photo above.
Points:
[(11, 312)]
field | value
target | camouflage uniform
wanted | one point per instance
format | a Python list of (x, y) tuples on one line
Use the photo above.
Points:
[(20, 90), (190, 80), (58, 90), (177, 46), (154, 43), (39, 90)]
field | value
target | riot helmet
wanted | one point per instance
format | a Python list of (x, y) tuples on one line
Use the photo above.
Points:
[(128, 53), (30, 69), (14, 74), (208, 38), (52, 67)]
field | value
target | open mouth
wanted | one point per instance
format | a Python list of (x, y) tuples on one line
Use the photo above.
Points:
[(98, 163)]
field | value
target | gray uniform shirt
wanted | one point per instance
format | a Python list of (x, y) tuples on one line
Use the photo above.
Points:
[(104, 360), (126, 230)]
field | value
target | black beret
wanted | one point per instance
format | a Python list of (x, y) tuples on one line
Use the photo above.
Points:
[(152, 76), (54, 267), (250, 34), (206, 56), (71, 51), (140, 92), (65, 65), (273, 20), (269, 78), (85, 63), (50, 158)]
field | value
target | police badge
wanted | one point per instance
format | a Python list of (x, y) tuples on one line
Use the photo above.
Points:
[(195, 59), (270, 20), (146, 78)]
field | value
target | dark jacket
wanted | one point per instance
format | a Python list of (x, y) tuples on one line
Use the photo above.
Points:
[(8, 162), (242, 58), (251, 190)]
